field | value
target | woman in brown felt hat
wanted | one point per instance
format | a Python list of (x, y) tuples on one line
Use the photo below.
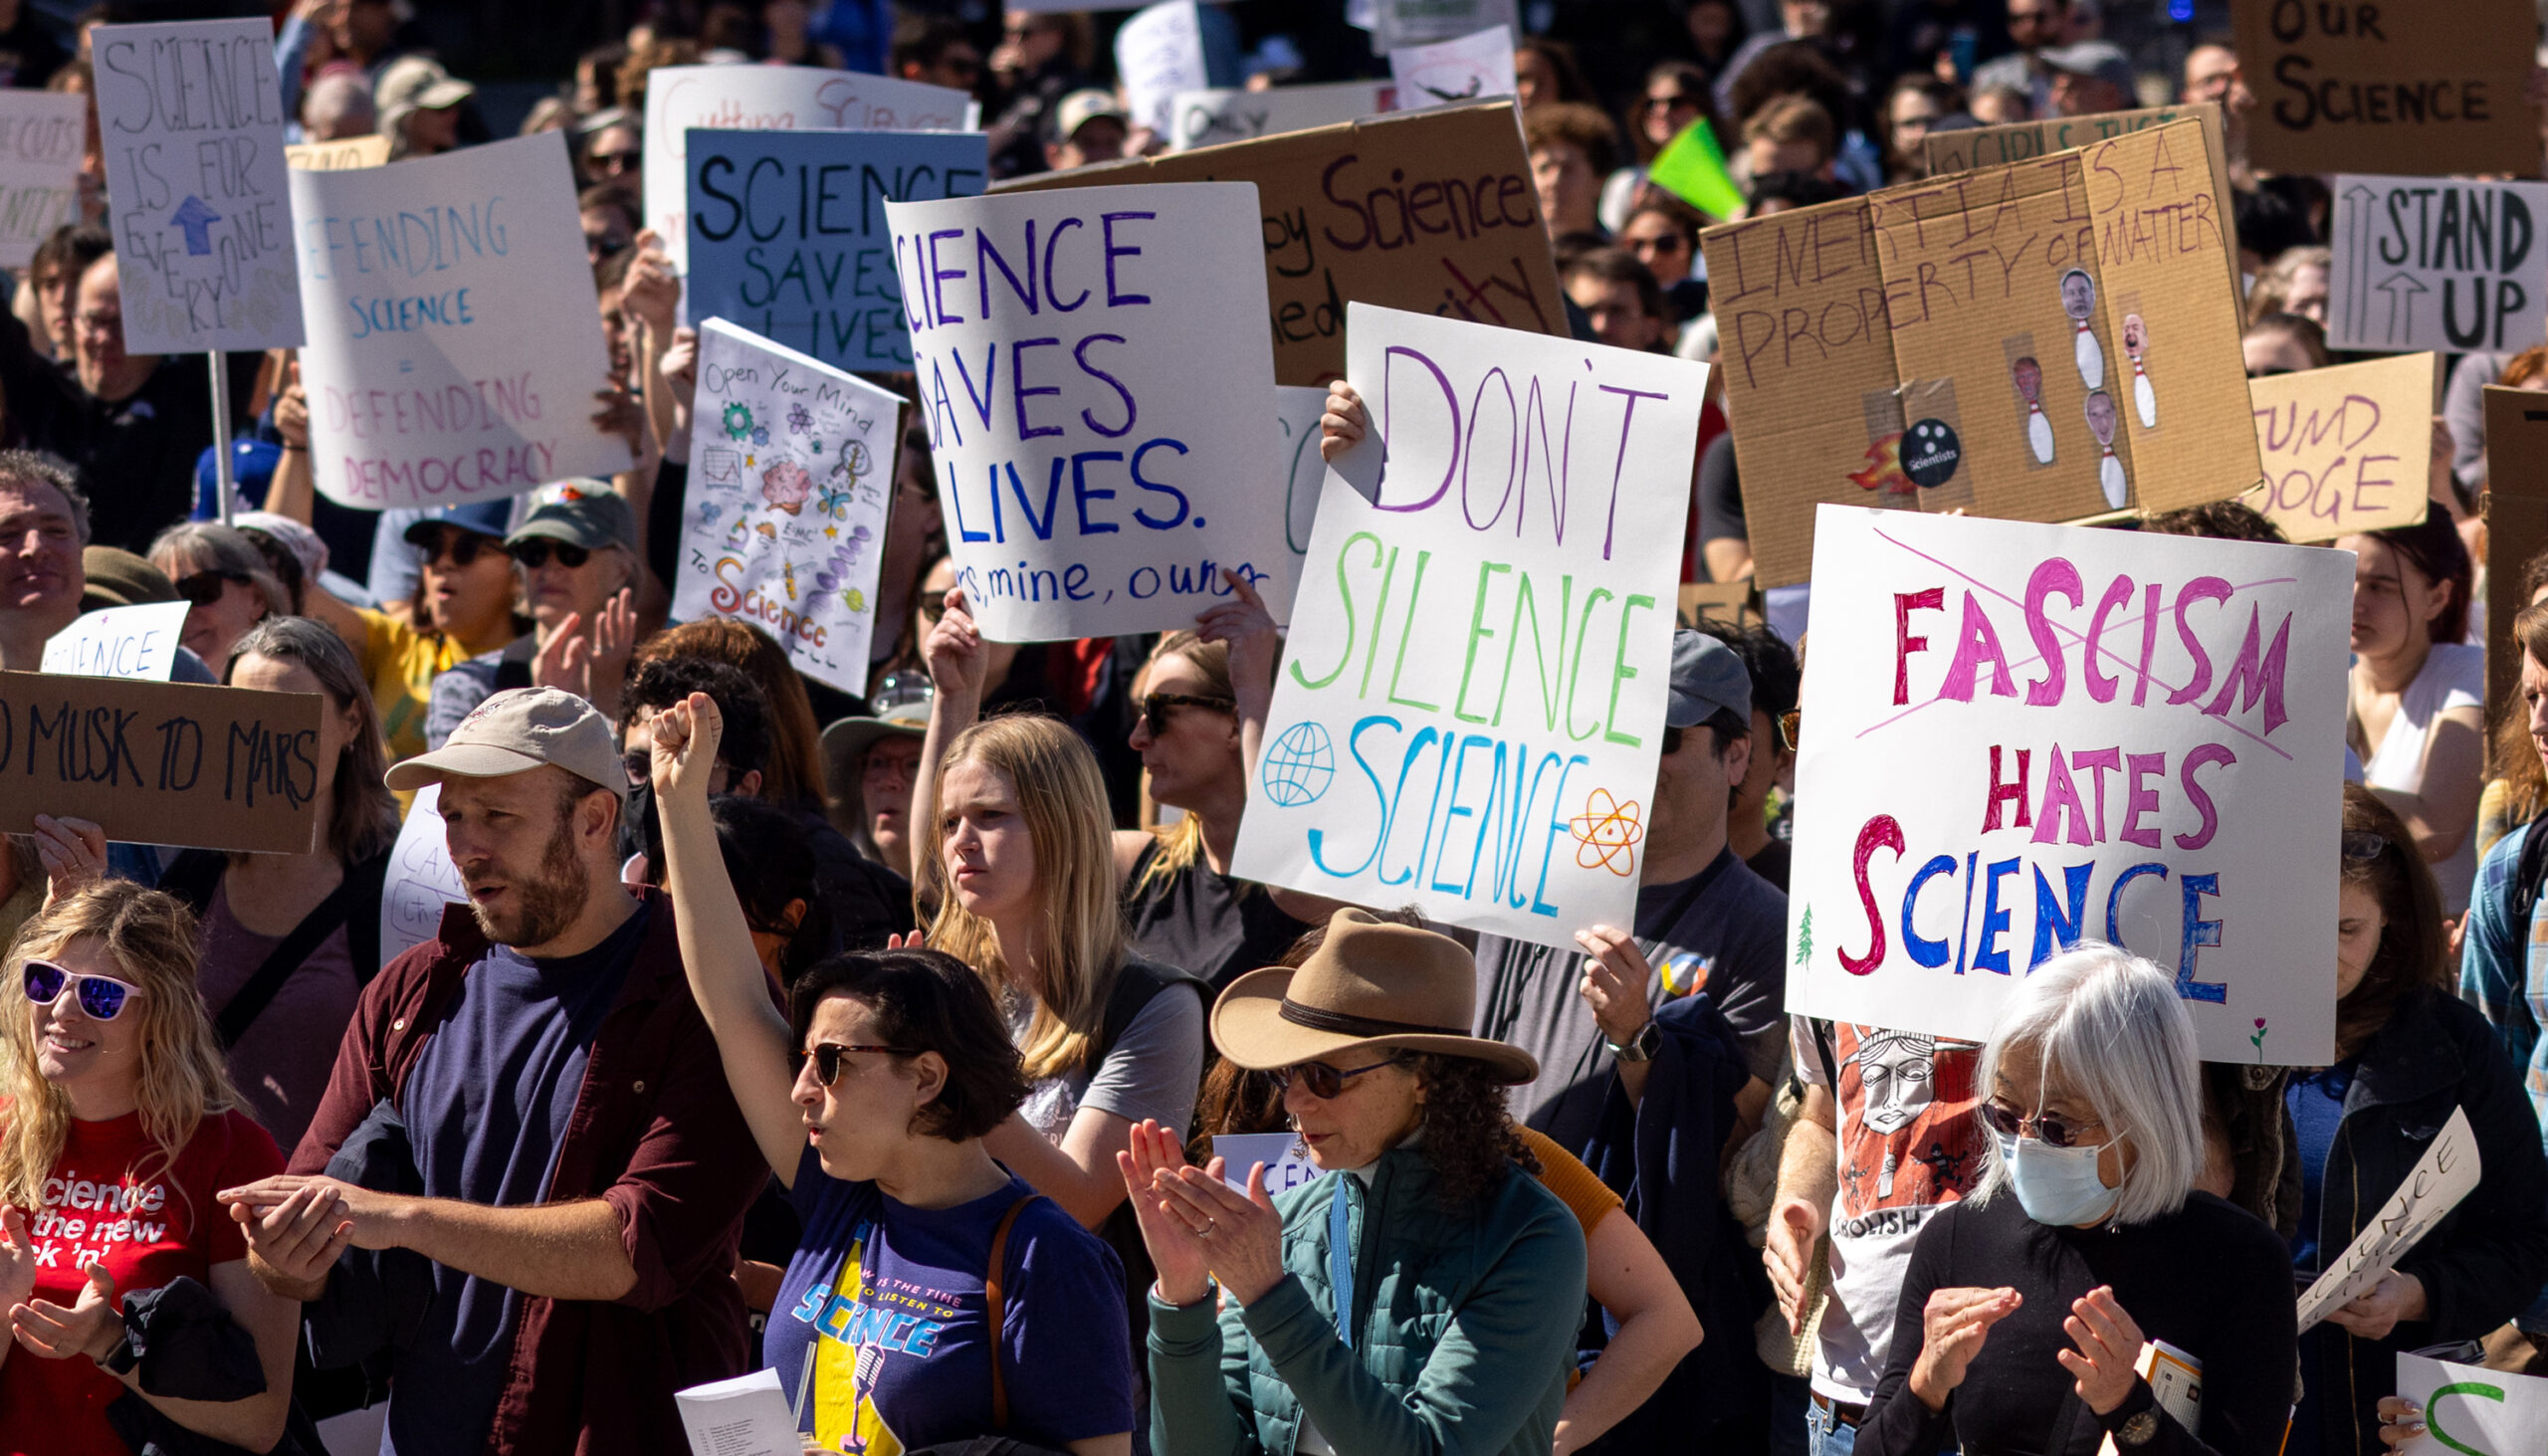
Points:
[(1411, 1295)]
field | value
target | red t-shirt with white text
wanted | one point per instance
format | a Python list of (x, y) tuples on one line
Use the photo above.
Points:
[(104, 1203)]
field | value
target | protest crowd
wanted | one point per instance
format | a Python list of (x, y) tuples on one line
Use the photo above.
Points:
[(837, 846)]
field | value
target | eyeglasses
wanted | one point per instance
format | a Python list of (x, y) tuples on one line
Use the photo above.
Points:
[(2362, 844), (460, 546), (604, 245), (102, 997), (1323, 1081), (203, 588), (614, 161), (534, 554), (1661, 243), (933, 604), (884, 767), (826, 1057), (2050, 1130), (1155, 706)]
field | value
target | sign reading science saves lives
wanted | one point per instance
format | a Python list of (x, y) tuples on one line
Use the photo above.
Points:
[(1472, 702)]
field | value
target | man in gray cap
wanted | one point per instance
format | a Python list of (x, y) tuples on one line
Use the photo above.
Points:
[(583, 1169), (577, 554), (2088, 78), (1704, 921)]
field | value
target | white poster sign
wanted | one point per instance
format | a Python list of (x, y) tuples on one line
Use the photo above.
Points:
[(1286, 1159), (41, 135), (120, 641), (1296, 410), (1096, 391), (1469, 67), (2472, 1411), (2447, 1172), (190, 114), (1397, 24), (772, 98), (1471, 700), (791, 464), (454, 344), (422, 879), (2117, 737), (2434, 262), (1228, 114), (1159, 53)]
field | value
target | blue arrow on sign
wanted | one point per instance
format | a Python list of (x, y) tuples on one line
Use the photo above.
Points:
[(197, 219)]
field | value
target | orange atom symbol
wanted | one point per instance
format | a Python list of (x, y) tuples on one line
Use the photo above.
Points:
[(1606, 834)]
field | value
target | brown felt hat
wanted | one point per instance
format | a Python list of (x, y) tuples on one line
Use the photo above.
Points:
[(1370, 983)]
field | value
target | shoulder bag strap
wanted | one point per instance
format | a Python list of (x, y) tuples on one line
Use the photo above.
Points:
[(995, 1306), (262, 987)]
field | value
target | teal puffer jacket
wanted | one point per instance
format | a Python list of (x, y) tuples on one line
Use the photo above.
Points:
[(1464, 1326)]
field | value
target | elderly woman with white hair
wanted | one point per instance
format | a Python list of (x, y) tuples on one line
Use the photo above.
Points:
[(2025, 1307)]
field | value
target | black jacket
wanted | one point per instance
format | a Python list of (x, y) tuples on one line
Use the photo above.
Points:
[(2488, 1258)]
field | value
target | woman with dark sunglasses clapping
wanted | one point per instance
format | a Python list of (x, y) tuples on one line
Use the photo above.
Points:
[(117, 1121), (935, 1297)]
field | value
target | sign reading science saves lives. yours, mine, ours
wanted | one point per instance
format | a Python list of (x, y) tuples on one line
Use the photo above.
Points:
[(1470, 706)]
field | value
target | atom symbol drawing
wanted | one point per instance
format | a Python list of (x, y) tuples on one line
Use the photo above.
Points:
[(1608, 833)]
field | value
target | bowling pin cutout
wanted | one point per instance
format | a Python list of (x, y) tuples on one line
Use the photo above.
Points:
[(2100, 411), (2145, 400), (2029, 380), (2080, 299)]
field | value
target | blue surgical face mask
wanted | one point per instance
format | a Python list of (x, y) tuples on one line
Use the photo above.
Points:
[(2057, 1186)]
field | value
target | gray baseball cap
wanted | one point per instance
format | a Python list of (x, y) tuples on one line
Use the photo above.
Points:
[(587, 514), (1706, 676), (517, 730)]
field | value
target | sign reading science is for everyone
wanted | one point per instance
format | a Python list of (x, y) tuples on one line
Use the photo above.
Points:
[(1100, 405), (1472, 702), (2020, 736)]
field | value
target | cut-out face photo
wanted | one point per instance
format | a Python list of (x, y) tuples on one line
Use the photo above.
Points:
[(2078, 294), (2102, 416), (2030, 378), (2136, 335), (1897, 1070)]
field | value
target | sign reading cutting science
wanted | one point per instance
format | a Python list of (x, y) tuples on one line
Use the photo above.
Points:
[(1470, 707), (191, 118), (454, 347), (2112, 735)]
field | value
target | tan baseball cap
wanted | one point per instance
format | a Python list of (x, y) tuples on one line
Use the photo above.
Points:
[(517, 730)]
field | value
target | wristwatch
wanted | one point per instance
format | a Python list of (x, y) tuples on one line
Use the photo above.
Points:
[(120, 1359), (2134, 1422), (1640, 1047)]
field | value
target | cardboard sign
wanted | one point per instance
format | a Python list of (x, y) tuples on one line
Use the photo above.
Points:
[(1396, 24), (1159, 53), (1102, 438), (1730, 603), (338, 156), (1228, 114), (2021, 142), (161, 763), (787, 232), (454, 346), (771, 99), (2516, 526), (2441, 1177), (2472, 1411), (1487, 752), (2346, 449), (2042, 341), (2449, 266), (2382, 88), (1429, 211), (120, 641), (191, 117), (791, 464), (41, 136), (422, 880), (1286, 1159), (2118, 736), (1465, 68)]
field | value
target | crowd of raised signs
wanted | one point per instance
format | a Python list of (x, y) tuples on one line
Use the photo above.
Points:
[(888, 1057)]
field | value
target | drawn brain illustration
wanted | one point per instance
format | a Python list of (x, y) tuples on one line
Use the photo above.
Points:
[(786, 486)]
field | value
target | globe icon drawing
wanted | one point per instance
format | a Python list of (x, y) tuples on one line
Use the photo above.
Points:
[(1300, 765)]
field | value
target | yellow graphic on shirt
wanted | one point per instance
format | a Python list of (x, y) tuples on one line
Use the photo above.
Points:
[(860, 1333)]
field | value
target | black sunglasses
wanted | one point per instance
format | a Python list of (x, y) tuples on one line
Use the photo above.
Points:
[(534, 554), (102, 997), (826, 1056), (2052, 1131), (1155, 706), (461, 546), (606, 247), (203, 588), (933, 604), (1323, 1081)]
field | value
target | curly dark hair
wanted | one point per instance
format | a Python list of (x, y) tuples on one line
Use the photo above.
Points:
[(1469, 1138), (928, 1001)]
